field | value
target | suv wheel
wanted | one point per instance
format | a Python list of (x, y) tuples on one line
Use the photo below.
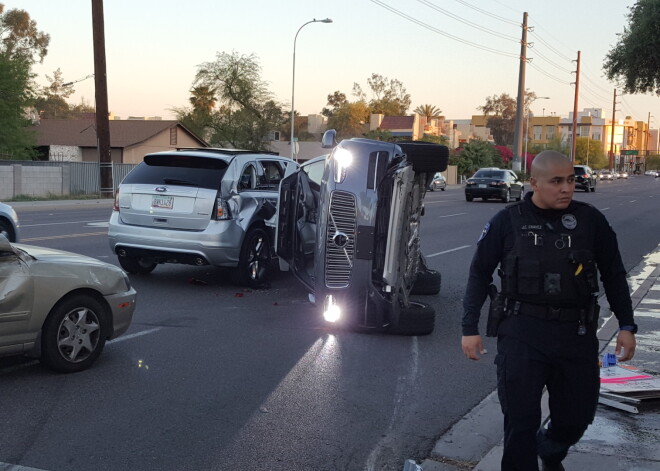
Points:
[(416, 319), (507, 197), (254, 263), (469, 197), (7, 230), (592, 188), (137, 265)]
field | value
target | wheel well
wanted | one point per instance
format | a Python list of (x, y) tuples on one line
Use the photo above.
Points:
[(98, 297), (10, 228)]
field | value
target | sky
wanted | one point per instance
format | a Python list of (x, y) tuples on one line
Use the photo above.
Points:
[(451, 54)]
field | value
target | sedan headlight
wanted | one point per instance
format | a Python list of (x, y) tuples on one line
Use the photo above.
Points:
[(331, 311), (343, 159)]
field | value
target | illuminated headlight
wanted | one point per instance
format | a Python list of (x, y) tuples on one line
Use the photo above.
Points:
[(343, 159), (331, 311)]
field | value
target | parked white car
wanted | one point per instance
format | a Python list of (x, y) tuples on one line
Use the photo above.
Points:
[(8, 222)]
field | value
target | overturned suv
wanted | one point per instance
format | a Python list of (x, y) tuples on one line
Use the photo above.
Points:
[(348, 227)]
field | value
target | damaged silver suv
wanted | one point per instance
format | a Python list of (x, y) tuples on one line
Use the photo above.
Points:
[(348, 227), (200, 207)]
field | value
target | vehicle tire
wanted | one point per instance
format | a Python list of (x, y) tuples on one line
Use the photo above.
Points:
[(74, 334), (468, 198), (137, 265), (593, 189), (428, 282), (443, 188), (416, 319), (426, 157), (7, 230), (254, 263), (431, 188), (507, 197)]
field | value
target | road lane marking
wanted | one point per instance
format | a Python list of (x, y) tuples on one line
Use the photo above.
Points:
[(448, 251), (64, 236), (11, 369), (59, 223), (450, 215), (605, 209)]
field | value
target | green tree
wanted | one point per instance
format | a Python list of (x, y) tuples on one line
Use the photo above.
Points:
[(51, 102), (428, 111), (475, 155), (19, 37), (335, 101), (349, 119), (501, 112), (16, 142), (389, 96), (247, 110), (653, 162), (443, 140), (203, 99), (634, 62), (590, 152)]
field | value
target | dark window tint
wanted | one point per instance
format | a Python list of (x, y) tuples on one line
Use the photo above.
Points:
[(178, 170), (496, 174)]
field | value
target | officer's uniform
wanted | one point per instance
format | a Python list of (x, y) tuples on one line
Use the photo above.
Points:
[(547, 263)]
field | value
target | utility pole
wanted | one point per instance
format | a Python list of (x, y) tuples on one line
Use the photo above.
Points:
[(575, 109), (612, 133), (101, 92), (520, 103)]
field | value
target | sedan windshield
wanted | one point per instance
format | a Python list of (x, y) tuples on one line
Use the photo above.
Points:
[(495, 174)]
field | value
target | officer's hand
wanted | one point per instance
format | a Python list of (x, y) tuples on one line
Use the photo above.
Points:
[(626, 340), (472, 345)]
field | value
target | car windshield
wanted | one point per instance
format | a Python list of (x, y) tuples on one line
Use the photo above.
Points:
[(495, 174), (178, 170), (580, 170)]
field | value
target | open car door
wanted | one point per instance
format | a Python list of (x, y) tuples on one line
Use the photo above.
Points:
[(296, 225)]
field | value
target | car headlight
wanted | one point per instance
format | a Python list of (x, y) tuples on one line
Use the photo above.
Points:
[(343, 159), (331, 311)]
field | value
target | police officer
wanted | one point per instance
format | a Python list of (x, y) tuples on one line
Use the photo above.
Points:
[(549, 249)]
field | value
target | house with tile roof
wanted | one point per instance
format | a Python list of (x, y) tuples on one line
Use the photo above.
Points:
[(74, 140), (399, 126)]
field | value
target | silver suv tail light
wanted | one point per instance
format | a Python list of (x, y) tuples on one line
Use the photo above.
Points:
[(221, 210)]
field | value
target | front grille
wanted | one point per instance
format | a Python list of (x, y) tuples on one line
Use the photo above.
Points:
[(342, 220)]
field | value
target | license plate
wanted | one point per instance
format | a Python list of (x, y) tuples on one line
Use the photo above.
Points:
[(162, 202), (482, 185)]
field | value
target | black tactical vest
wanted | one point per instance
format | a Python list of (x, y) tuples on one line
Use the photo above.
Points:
[(551, 263)]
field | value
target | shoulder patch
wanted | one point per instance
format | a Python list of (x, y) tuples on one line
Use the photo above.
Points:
[(484, 233)]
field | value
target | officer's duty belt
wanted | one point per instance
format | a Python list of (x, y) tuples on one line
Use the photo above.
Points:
[(551, 313)]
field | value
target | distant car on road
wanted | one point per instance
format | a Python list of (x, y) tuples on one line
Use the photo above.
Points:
[(493, 182), (8, 222), (623, 175), (585, 178), (60, 306), (438, 183), (605, 175)]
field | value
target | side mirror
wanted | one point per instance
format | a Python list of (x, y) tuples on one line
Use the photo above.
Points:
[(329, 139)]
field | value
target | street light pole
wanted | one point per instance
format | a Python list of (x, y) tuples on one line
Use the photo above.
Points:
[(293, 81)]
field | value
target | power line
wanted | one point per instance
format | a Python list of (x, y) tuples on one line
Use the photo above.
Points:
[(557, 79), (469, 23), (548, 45), (544, 58), (442, 33), (492, 15), (593, 92)]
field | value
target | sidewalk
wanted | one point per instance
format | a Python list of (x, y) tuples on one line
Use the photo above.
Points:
[(617, 440)]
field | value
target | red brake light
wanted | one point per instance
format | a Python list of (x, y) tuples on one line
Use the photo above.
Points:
[(115, 207)]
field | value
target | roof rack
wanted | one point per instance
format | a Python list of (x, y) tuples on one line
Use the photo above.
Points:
[(217, 150)]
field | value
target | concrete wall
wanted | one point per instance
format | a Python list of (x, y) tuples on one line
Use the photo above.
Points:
[(18, 180)]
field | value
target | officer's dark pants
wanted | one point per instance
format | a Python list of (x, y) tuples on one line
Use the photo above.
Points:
[(533, 353)]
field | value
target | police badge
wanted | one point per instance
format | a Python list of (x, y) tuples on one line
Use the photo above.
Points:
[(569, 221)]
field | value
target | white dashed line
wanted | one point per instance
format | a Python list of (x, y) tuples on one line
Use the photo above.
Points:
[(448, 251)]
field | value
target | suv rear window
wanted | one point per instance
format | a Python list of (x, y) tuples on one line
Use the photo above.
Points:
[(489, 174), (580, 170), (183, 170)]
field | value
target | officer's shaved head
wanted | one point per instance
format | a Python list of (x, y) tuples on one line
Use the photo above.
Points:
[(549, 159)]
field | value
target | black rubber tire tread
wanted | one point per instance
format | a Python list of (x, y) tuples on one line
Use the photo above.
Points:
[(50, 354), (428, 282), (136, 266), (507, 197), (426, 157), (593, 189), (5, 227), (468, 198), (242, 271), (417, 319)]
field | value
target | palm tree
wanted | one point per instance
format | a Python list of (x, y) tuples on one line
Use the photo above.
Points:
[(202, 98), (428, 111)]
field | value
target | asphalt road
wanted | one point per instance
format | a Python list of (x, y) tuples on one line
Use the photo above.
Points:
[(212, 376)]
